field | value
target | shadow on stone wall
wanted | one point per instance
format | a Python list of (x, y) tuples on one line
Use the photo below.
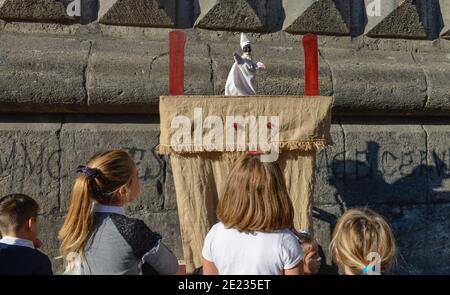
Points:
[(415, 205)]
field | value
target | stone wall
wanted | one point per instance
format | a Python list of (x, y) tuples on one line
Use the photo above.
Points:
[(74, 85)]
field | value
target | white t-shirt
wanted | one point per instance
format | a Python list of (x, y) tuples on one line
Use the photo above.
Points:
[(257, 253)]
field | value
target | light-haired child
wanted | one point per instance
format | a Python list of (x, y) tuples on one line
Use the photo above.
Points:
[(19, 241), (97, 237), (310, 247), (253, 236), (363, 243)]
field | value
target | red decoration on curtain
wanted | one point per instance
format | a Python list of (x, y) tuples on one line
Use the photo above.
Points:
[(311, 65), (177, 41)]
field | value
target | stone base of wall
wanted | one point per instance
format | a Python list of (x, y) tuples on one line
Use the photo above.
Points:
[(400, 167)]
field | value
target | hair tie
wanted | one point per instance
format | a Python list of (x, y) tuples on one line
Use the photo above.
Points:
[(305, 234), (368, 268), (91, 173)]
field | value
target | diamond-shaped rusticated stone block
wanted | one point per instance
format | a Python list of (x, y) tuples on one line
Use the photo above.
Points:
[(327, 17), (417, 19), (143, 13), (232, 15), (37, 10)]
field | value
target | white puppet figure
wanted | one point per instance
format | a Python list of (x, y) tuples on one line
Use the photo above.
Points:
[(242, 73)]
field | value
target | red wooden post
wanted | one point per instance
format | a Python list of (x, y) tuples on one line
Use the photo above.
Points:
[(177, 41), (311, 65)]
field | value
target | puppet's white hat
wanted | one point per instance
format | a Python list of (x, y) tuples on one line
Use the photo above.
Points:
[(244, 40)]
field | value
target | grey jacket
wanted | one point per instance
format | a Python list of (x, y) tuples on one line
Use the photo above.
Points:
[(119, 245)]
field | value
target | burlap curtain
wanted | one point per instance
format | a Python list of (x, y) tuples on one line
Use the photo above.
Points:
[(199, 172)]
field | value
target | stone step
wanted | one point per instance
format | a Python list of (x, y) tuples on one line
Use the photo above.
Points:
[(95, 73)]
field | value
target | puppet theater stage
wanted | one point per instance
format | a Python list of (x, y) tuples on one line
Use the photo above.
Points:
[(218, 129)]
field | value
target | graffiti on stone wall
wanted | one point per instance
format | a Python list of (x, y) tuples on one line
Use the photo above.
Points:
[(345, 170), (373, 175), (368, 163), (146, 172), (20, 162)]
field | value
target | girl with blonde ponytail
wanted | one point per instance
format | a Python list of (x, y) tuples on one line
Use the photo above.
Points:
[(97, 237), (363, 243)]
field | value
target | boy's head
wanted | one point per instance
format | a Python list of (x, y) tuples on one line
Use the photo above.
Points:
[(18, 216), (360, 236)]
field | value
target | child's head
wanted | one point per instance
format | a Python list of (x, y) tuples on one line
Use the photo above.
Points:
[(312, 259), (109, 178), (358, 233), (255, 197), (18, 217)]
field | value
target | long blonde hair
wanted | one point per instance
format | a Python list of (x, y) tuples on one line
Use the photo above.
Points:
[(255, 197), (114, 171), (359, 232)]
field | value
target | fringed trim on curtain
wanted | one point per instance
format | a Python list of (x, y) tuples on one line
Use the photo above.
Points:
[(284, 146)]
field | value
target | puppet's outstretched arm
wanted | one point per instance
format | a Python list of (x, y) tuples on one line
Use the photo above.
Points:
[(260, 65)]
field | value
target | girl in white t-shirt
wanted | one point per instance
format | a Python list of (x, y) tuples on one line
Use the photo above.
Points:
[(256, 215)]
